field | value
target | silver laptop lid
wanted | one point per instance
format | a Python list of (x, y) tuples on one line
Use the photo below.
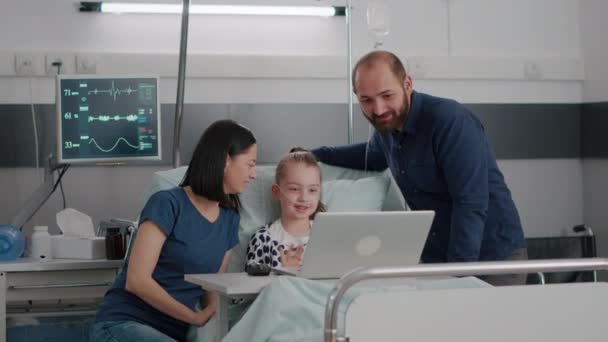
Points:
[(342, 241)]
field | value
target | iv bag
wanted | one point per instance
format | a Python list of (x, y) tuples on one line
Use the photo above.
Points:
[(378, 20)]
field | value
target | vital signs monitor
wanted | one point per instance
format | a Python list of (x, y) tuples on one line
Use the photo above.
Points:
[(103, 119)]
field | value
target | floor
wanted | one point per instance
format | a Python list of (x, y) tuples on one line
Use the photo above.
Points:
[(49, 329)]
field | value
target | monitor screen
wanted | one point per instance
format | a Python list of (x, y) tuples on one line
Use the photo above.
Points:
[(102, 119)]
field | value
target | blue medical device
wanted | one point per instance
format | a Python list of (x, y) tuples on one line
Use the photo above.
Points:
[(103, 119), (12, 243)]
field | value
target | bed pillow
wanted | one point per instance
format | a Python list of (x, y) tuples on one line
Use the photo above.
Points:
[(365, 194), (394, 199)]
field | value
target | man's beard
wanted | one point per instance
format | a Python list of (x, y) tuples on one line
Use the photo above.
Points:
[(397, 119)]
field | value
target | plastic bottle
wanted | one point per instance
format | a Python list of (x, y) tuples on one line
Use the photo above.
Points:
[(115, 244), (12, 243), (41, 243)]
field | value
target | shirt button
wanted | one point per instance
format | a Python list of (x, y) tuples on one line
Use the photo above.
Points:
[(402, 172), (398, 147)]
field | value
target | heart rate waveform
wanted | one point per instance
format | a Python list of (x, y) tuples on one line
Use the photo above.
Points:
[(112, 91), (106, 118), (93, 141)]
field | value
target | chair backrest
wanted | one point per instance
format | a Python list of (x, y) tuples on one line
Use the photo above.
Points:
[(561, 247), (342, 190)]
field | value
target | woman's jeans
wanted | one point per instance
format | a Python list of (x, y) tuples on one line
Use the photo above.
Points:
[(127, 331)]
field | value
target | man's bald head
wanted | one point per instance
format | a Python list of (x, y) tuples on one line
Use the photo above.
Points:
[(376, 58)]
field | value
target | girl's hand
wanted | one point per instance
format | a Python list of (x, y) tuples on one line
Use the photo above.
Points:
[(292, 256)]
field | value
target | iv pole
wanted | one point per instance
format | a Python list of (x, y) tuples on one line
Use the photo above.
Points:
[(349, 67), (181, 78)]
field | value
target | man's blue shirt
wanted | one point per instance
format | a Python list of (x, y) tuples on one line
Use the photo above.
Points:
[(193, 245), (442, 161)]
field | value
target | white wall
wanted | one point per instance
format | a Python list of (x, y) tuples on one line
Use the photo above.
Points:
[(467, 49), (547, 194), (470, 50), (595, 48), (595, 197), (100, 192)]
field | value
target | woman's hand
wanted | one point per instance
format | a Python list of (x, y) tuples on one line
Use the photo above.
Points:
[(292, 257), (202, 317)]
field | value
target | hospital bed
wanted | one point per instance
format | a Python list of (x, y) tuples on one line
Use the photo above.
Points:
[(456, 305), (341, 191), (557, 312)]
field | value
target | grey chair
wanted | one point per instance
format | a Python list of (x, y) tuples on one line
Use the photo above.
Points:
[(579, 245)]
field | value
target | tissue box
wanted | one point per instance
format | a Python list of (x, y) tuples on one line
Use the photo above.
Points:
[(68, 247)]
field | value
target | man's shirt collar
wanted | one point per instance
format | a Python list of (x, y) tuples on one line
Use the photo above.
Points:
[(412, 116)]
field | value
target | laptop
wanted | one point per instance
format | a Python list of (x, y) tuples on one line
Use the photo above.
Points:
[(342, 241)]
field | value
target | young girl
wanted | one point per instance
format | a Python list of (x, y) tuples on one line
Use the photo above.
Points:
[(298, 190)]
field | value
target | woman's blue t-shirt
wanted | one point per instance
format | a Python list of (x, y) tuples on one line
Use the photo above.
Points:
[(193, 245)]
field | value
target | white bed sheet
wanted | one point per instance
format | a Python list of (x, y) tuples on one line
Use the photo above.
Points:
[(292, 309)]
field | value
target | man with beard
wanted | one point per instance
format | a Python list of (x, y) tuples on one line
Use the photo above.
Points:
[(441, 159)]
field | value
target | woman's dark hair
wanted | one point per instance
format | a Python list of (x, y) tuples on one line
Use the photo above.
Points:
[(299, 155), (205, 174)]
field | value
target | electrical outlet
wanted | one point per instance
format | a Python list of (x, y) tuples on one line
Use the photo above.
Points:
[(66, 63), (28, 64), (86, 64)]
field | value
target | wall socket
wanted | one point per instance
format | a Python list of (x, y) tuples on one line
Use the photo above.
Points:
[(66, 60), (28, 64)]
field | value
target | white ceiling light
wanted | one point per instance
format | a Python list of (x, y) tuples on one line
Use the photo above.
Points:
[(155, 8)]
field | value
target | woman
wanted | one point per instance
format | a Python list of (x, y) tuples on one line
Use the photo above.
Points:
[(188, 229)]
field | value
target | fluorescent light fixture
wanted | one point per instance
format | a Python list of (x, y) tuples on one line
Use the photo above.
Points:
[(154, 8)]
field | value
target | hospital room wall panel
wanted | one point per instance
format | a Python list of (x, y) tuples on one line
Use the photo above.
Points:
[(547, 28), (499, 91), (418, 27), (426, 29), (303, 90), (532, 130), (57, 25), (595, 120), (594, 44), (278, 127), (547, 192), (100, 192), (258, 90), (314, 90), (544, 173), (595, 195)]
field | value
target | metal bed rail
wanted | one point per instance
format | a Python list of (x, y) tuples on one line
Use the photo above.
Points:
[(452, 269)]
